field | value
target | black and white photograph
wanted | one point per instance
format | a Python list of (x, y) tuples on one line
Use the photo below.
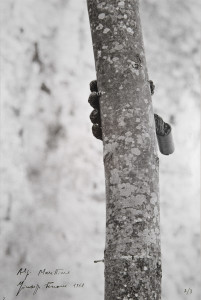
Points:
[(100, 150)]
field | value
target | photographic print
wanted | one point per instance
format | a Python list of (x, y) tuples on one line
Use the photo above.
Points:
[(100, 150)]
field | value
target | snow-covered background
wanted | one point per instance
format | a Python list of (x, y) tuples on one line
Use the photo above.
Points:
[(52, 209)]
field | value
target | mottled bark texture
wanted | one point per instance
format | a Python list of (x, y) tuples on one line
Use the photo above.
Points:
[(132, 252)]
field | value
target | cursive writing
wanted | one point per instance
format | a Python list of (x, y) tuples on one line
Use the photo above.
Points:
[(55, 272), (22, 286), (42, 273), (23, 271), (51, 285)]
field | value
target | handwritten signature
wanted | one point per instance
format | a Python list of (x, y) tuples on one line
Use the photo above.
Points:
[(22, 285)]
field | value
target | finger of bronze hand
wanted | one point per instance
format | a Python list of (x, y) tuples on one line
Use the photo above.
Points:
[(97, 131), (152, 86), (95, 116), (94, 100), (93, 86)]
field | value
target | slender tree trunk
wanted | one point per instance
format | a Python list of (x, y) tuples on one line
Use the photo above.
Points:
[(132, 253)]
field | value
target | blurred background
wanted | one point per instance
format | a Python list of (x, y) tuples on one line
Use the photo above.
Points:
[(52, 209)]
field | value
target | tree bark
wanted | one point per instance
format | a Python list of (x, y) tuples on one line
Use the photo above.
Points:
[(132, 253)]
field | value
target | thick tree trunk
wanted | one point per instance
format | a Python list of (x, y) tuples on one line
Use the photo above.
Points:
[(132, 254)]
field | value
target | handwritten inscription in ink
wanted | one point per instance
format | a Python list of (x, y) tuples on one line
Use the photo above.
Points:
[(26, 283), (188, 291)]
